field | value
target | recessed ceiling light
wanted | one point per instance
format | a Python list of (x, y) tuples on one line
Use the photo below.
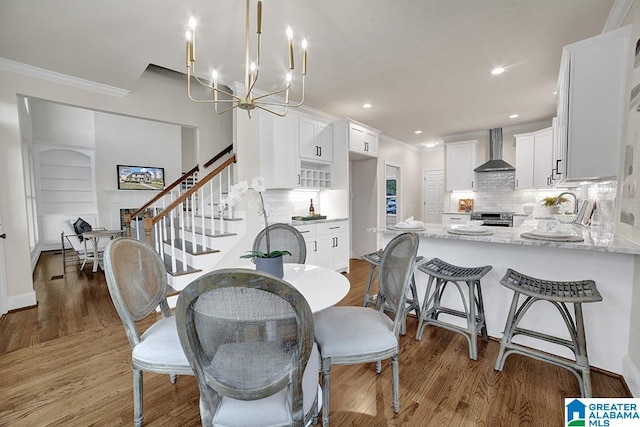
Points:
[(513, 116), (430, 144), (497, 70), (367, 105), (418, 132)]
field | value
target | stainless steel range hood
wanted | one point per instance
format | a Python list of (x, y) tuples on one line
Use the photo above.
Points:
[(495, 164)]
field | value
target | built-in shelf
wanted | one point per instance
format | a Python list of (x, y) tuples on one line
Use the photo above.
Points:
[(312, 178)]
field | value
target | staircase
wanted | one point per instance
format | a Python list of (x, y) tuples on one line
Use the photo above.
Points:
[(183, 222)]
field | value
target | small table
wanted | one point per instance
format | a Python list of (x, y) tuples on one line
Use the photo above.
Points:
[(320, 286), (94, 236)]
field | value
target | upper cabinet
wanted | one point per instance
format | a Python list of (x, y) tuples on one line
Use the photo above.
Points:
[(592, 91), (315, 139), (461, 161), (279, 159), (361, 140), (534, 159)]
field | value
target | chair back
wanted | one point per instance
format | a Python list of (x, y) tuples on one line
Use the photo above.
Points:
[(247, 335), (282, 237), (394, 274), (137, 281)]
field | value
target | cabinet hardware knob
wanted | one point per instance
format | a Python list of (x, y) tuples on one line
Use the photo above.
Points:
[(3, 236)]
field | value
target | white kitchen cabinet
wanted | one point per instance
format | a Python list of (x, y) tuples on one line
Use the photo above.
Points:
[(592, 91), (363, 140), (279, 160), (534, 152), (327, 244), (461, 218), (315, 137), (461, 161)]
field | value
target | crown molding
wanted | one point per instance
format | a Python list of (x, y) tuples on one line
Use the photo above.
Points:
[(52, 76), (617, 14), (403, 144)]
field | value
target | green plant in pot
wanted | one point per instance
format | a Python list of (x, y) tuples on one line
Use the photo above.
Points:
[(270, 261), (552, 204)]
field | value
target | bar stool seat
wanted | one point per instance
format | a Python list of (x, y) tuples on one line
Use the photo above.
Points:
[(444, 273), (370, 298), (559, 294)]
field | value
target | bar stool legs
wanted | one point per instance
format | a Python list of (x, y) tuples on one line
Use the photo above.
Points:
[(558, 294), (467, 281)]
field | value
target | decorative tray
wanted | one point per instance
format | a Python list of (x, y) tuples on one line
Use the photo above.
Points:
[(550, 238), (308, 218)]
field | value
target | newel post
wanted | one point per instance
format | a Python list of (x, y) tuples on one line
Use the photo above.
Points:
[(148, 226), (127, 224)]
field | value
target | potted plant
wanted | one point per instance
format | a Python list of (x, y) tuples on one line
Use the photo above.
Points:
[(269, 261), (551, 204)]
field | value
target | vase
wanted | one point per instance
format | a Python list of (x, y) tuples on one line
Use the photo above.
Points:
[(273, 266), (551, 210)]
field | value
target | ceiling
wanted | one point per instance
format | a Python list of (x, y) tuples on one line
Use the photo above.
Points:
[(422, 64)]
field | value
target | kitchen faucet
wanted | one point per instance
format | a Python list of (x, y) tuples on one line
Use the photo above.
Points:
[(575, 201)]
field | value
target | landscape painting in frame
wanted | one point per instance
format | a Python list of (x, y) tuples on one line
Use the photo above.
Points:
[(140, 178)]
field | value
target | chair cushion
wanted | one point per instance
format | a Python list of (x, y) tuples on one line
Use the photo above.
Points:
[(160, 345), (273, 410), (353, 331)]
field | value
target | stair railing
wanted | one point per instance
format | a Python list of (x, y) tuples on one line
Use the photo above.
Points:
[(144, 209), (161, 229)]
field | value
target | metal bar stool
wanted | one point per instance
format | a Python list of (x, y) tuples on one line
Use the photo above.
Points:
[(443, 274), (370, 299), (558, 294)]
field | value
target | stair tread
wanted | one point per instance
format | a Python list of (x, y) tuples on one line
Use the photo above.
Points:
[(179, 271), (199, 249), (208, 232)]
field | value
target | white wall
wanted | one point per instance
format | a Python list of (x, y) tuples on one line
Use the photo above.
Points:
[(122, 140), (157, 96), (61, 124)]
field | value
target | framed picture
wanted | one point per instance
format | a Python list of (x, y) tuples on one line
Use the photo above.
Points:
[(465, 205), (140, 177)]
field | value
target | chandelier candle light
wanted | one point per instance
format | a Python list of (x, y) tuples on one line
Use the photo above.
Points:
[(252, 70)]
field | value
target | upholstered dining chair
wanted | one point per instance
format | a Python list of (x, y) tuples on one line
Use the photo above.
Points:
[(137, 281), (249, 339), (353, 335), (282, 237)]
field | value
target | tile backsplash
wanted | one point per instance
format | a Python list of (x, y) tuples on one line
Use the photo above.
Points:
[(496, 193), (281, 205)]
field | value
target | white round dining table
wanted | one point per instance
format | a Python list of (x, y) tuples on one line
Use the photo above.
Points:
[(320, 286)]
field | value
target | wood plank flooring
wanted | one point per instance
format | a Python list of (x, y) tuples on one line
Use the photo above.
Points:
[(67, 362)]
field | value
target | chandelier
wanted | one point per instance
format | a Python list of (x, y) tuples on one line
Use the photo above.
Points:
[(247, 101)]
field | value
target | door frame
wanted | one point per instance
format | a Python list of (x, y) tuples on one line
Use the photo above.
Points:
[(398, 190)]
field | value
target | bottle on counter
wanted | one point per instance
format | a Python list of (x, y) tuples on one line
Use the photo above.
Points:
[(312, 211)]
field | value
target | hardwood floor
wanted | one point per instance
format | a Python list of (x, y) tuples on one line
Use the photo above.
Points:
[(67, 362)]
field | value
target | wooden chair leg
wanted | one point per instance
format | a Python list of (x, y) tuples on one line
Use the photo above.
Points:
[(326, 380), (138, 417), (395, 379)]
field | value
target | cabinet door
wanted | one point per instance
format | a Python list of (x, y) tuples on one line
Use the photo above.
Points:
[(356, 138), (542, 159), (525, 152), (309, 234), (324, 139), (279, 161), (371, 143), (324, 253), (307, 138), (461, 160), (340, 255), (315, 139)]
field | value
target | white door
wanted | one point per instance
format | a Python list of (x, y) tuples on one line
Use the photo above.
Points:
[(433, 195), (3, 274)]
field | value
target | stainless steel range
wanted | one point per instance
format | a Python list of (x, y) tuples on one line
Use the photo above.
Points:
[(494, 219)]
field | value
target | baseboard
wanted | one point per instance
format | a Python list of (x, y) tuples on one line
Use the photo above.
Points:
[(23, 300), (631, 375)]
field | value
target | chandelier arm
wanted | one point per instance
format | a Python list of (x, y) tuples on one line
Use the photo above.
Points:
[(273, 112), (255, 79), (215, 105), (272, 93)]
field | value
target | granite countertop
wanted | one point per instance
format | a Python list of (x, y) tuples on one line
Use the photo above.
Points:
[(595, 239), (317, 221)]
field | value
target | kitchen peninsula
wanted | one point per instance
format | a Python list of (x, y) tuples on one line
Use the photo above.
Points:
[(604, 257)]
